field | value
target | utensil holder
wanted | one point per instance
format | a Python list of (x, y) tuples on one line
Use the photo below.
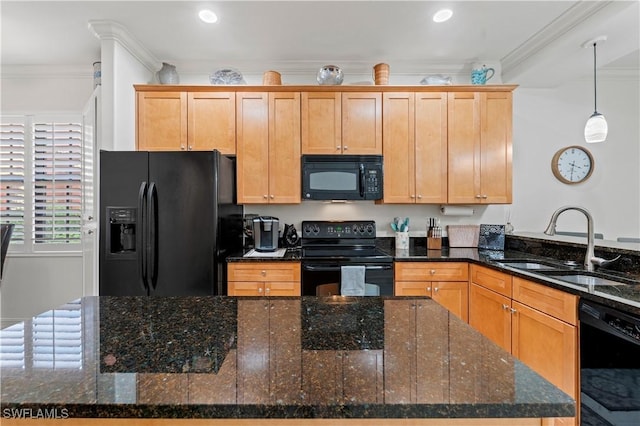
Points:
[(402, 240), (434, 243)]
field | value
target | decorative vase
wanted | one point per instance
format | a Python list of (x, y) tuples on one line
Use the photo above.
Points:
[(168, 74), (330, 75)]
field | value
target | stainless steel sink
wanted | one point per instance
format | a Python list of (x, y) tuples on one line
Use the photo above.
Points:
[(584, 279), (531, 265)]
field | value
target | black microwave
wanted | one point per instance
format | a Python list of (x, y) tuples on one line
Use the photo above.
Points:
[(342, 177)]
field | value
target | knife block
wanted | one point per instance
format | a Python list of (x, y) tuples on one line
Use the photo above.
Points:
[(434, 243)]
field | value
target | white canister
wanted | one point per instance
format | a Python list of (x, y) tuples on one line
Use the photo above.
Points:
[(402, 240)]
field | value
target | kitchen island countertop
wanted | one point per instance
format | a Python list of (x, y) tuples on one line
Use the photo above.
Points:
[(242, 358)]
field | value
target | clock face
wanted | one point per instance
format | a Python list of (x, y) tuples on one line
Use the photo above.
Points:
[(573, 164)]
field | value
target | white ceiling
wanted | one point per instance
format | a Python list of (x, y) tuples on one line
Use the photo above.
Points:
[(536, 42)]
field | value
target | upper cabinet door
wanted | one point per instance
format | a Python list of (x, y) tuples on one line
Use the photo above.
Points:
[(431, 147), (253, 147), (284, 148), (212, 121), (496, 147), (464, 147), (321, 122), (362, 123), (399, 147), (161, 121)]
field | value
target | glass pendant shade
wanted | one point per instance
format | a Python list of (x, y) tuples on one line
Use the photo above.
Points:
[(596, 128)]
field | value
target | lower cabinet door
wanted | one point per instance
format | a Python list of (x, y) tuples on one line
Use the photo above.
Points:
[(454, 296), (490, 314), (548, 346)]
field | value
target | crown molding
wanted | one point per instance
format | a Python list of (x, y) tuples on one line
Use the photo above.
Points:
[(111, 30), (570, 19)]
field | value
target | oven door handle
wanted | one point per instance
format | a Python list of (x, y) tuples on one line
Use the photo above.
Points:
[(314, 268)]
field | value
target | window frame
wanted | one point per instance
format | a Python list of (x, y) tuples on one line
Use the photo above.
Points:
[(29, 244)]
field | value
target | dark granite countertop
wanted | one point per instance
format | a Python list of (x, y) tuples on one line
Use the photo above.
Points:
[(226, 357), (625, 296)]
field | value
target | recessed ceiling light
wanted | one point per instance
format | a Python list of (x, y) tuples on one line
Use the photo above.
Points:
[(208, 16), (442, 15)]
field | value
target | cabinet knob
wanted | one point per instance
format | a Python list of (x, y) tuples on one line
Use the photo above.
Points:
[(346, 147), (182, 147), (272, 196), (338, 148), (190, 148), (263, 273), (484, 196), (513, 311), (428, 289), (478, 196), (90, 231), (419, 196), (505, 307), (267, 290), (265, 196), (436, 289), (412, 196), (432, 272), (259, 289)]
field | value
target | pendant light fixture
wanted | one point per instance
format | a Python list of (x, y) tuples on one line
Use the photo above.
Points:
[(596, 128)]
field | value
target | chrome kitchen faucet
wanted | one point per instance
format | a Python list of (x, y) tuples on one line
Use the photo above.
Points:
[(589, 258)]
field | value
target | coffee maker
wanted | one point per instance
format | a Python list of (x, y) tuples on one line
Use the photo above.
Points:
[(265, 233)]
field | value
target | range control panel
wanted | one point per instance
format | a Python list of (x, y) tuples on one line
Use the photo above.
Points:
[(339, 229)]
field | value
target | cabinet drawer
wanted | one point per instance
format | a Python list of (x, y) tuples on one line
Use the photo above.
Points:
[(264, 271), (551, 301), (491, 279), (412, 288), (431, 271)]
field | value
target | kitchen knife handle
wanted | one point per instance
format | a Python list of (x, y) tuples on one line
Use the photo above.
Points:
[(153, 234), (141, 235)]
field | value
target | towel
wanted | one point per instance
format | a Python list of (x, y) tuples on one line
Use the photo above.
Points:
[(352, 280)]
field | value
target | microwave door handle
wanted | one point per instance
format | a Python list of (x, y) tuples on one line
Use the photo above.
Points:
[(361, 180)]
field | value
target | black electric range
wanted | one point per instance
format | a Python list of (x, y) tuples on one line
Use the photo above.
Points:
[(326, 246)]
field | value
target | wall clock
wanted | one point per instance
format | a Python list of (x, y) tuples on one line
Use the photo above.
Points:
[(573, 164)]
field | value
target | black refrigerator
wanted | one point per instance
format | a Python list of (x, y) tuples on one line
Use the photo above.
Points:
[(168, 222)]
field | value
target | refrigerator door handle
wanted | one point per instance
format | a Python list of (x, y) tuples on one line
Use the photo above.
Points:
[(141, 235), (153, 234)]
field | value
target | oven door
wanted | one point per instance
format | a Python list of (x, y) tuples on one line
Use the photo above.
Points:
[(326, 272)]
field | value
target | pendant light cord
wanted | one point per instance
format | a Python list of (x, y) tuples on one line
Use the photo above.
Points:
[(595, 92)]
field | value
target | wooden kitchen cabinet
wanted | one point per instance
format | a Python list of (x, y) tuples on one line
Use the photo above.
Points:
[(212, 121), (161, 122), (536, 323), (269, 352), (479, 147), (263, 279), (415, 147), (186, 121), (321, 122), (445, 282), (341, 123), (268, 147)]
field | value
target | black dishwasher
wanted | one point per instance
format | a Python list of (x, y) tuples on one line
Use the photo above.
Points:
[(609, 366)]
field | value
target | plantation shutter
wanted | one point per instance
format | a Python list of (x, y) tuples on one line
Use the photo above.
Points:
[(12, 173), (57, 182)]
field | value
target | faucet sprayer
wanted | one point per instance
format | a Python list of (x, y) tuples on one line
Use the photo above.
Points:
[(589, 258)]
